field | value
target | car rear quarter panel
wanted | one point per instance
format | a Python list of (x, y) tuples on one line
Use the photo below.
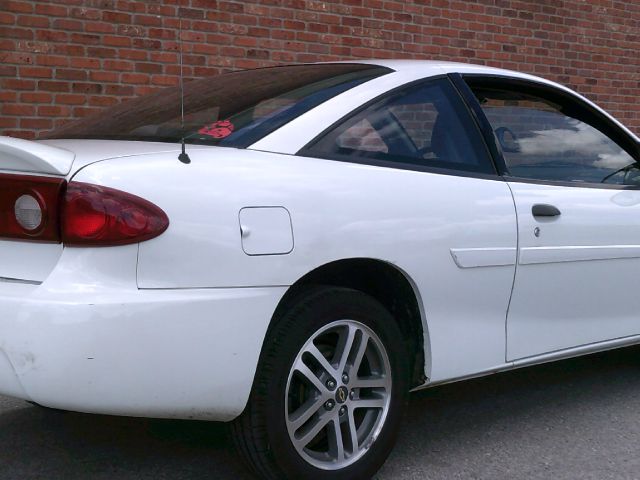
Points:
[(338, 211)]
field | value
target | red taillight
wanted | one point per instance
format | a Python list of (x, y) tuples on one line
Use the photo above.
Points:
[(42, 209), (95, 215), (29, 207)]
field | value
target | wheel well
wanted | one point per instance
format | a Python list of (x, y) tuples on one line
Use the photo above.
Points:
[(385, 283)]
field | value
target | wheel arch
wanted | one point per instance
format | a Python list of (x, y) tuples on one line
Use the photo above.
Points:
[(388, 284)]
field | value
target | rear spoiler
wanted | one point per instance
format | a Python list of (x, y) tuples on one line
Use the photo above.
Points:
[(27, 156)]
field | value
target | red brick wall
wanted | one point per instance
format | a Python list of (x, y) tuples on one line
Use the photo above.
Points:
[(61, 59)]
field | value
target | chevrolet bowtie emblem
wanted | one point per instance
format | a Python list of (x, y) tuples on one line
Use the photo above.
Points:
[(341, 395)]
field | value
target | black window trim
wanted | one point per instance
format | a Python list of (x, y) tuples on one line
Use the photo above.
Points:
[(481, 121), (398, 165), (487, 131)]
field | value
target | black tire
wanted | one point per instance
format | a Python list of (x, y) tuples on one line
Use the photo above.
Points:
[(47, 409), (260, 433)]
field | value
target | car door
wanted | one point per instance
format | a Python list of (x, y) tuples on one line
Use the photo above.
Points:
[(454, 225), (575, 181)]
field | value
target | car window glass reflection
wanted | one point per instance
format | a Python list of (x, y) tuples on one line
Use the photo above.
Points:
[(233, 110), (542, 140), (423, 125)]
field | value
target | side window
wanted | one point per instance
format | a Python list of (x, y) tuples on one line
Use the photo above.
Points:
[(425, 125), (543, 140)]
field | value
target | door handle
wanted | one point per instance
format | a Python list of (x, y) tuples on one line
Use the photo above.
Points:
[(544, 210)]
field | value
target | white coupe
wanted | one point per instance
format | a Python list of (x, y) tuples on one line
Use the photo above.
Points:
[(306, 244)]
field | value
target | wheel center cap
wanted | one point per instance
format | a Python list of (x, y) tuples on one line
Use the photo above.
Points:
[(342, 394)]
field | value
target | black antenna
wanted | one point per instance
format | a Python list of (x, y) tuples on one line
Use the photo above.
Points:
[(183, 157)]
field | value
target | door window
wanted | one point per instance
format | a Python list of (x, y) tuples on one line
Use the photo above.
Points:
[(425, 125), (554, 140)]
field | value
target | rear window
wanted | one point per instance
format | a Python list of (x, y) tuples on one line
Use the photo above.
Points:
[(234, 110)]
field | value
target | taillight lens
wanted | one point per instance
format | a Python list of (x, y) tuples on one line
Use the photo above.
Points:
[(42, 209), (29, 214), (96, 215), (29, 207)]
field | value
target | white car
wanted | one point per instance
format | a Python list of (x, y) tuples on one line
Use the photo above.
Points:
[(333, 236)]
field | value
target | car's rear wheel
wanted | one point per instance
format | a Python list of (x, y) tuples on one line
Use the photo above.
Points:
[(329, 391)]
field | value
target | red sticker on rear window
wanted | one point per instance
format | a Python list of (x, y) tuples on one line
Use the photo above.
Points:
[(219, 129)]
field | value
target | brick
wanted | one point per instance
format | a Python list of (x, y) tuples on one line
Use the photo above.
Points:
[(99, 27), (36, 123), (135, 78), (162, 33), (184, 12), (116, 17), (7, 44), (116, 41), (85, 39), (164, 80), (6, 97), (7, 18), (17, 84), (17, 6), (51, 86), (118, 65), (148, 20), (149, 67), (8, 71), (8, 122), (71, 99), (118, 90), (36, 97), (84, 63), (51, 36), (52, 60), (134, 54), (147, 44), (100, 76), (35, 72), (102, 52), (102, 101), (16, 33), (71, 74), (85, 13), (34, 47), (53, 111), (66, 24), (83, 87), (51, 10), (18, 110), (33, 21)]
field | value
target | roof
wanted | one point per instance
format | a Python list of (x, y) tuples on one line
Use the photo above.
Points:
[(426, 68), (441, 66)]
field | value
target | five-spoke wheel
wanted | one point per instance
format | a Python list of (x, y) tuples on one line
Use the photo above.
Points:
[(329, 392), (338, 394)]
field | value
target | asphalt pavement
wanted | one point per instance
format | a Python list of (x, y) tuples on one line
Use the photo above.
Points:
[(576, 419)]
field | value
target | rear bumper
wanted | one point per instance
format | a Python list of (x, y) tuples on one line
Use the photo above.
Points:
[(188, 353)]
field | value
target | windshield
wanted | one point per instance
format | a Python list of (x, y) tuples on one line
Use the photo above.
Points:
[(235, 109)]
